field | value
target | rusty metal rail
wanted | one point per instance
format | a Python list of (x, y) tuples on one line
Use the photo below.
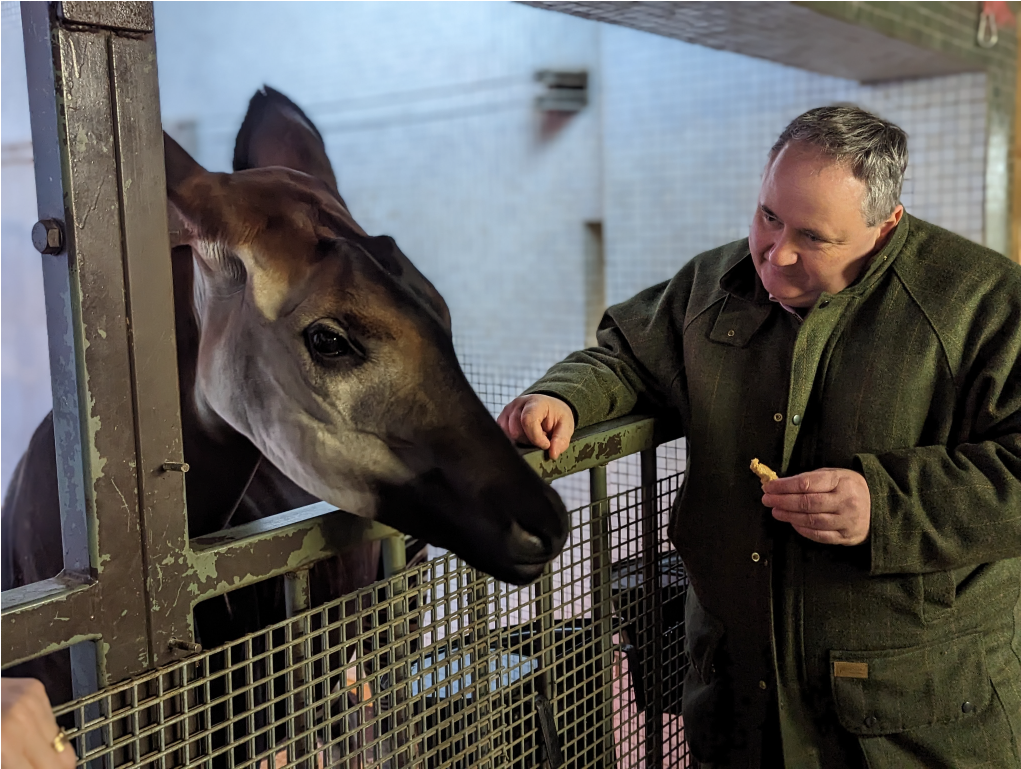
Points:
[(47, 616)]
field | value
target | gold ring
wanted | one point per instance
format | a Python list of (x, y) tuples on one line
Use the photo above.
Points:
[(60, 742)]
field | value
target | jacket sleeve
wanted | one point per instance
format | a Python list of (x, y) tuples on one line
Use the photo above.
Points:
[(936, 508), (635, 366)]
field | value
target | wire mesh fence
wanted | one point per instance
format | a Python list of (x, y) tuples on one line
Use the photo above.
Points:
[(438, 666)]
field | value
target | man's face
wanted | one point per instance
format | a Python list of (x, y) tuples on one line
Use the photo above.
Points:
[(808, 234)]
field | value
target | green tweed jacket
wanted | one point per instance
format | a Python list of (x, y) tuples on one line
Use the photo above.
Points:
[(911, 377)]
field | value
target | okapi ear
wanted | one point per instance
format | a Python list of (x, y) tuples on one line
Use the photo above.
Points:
[(276, 132), (181, 167)]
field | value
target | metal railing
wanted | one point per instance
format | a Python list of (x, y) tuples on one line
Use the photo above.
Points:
[(440, 665)]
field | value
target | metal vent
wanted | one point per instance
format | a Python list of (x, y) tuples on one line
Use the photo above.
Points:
[(566, 90)]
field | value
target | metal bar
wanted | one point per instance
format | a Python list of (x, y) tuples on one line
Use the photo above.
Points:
[(244, 555), (150, 313), (47, 136), (59, 285), (542, 643), (601, 443), (89, 334), (296, 597), (652, 612), (482, 651), (395, 554), (296, 593), (121, 16), (33, 613), (602, 612)]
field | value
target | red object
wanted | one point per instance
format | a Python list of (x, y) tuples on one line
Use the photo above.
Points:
[(1000, 11)]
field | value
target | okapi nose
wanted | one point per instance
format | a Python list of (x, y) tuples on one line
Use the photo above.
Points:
[(528, 547)]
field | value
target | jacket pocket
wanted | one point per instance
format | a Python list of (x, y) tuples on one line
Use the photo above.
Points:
[(891, 691), (703, 633)]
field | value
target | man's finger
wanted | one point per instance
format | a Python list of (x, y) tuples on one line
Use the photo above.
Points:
[(516, 431), (812, 521), (822, 537), (532, 416), (803, 503), (561, 438), (510, 420), (815, 481)]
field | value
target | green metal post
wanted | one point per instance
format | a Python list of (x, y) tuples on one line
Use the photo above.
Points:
[(602, 613), (651, 613)]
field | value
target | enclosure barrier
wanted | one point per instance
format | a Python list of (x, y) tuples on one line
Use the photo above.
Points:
[(440, 665), (437, 666)]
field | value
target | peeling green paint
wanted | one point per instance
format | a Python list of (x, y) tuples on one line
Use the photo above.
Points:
[(77, 639), (81, 141), (314, 541)]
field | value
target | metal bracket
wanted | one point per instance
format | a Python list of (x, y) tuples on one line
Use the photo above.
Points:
[(988, 34), (121, 16)]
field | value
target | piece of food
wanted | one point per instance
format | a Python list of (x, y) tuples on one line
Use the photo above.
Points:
[(764, 473)]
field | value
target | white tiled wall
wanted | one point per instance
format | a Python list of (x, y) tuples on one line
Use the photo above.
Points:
[(427, 111)]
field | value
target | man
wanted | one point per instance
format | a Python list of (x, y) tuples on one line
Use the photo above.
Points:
[(865, 608)]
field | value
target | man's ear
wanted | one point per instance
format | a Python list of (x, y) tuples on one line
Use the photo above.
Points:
[(276, 132), (887, 226)]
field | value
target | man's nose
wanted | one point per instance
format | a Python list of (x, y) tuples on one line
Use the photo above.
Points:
[(782, 253)]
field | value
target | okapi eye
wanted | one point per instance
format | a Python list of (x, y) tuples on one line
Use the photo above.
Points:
[(327, 343)]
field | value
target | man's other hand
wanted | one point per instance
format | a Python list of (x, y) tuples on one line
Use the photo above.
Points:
[(830, 506), (540, 420)]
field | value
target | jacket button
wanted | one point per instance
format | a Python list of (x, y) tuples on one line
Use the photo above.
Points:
[(755, 557), (730, 333), (871, 721), (778, 417), (796, 419), (967, 707), (824, 303), (762, 684)]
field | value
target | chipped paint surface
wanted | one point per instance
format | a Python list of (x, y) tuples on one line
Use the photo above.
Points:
[(314, 541), (596, 446)]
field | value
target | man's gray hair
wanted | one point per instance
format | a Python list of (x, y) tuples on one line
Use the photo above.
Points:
[(874, 149)]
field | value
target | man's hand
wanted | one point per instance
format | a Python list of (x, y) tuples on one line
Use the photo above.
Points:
[(541, 420), (830, 506), (29, 728)]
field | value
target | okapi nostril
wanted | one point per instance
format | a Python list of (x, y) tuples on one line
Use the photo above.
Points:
[(526, 544), (532, 541)]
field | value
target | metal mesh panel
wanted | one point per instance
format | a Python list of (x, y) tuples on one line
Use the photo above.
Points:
[(439, 666)]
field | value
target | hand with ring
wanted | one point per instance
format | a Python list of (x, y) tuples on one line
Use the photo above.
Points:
[(31, 739)]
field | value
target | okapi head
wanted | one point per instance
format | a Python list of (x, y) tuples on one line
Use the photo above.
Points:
[(332, 354)]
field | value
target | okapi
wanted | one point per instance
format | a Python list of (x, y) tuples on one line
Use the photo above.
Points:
[(315, 363)]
